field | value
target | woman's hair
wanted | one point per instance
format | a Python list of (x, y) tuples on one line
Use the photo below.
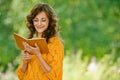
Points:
[(52, 29)]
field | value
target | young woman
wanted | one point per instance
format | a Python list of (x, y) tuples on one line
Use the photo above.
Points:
[(42, 22)]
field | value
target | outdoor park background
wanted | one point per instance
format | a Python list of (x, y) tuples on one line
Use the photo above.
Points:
[(90, 30)]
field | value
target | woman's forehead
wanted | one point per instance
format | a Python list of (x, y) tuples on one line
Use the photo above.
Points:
[(41, 15)]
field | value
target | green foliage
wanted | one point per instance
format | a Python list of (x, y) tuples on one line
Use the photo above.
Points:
[(7, 47), (90, 25)]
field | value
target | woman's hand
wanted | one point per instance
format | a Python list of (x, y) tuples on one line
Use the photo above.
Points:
[(26, 57), (36, 51), (32, 50)]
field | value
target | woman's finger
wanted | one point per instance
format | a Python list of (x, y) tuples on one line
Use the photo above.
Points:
[(24, 44), (36, 45), (27, 45), (25, 57)]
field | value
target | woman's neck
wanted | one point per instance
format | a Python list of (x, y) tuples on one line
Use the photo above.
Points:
[(39, 35)]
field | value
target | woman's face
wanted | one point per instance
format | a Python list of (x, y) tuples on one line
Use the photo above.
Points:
[(41, 22)]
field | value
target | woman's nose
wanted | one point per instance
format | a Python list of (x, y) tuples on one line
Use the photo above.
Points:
[(39, 23)]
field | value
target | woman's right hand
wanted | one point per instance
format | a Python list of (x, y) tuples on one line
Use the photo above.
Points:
[(26, 57)]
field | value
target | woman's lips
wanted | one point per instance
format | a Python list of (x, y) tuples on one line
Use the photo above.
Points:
[(40, 27)]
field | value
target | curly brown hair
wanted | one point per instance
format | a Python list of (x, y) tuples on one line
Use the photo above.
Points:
[(52, 29)]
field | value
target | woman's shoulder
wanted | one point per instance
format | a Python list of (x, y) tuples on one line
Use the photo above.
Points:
[(55, 40), (56, 43)]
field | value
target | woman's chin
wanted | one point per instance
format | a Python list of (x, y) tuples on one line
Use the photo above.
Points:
[(40, 31)]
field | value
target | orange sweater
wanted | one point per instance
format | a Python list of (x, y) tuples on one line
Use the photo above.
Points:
[(54, 58)]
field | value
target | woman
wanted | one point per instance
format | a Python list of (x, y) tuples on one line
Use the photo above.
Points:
[(42, 22)]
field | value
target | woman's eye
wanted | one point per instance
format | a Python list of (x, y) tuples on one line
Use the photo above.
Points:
[(37, 20), (43, 20)]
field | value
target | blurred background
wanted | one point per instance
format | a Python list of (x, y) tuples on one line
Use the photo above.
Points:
[(90, 30)]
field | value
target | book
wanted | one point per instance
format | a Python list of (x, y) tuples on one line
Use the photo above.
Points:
[(41, 42)]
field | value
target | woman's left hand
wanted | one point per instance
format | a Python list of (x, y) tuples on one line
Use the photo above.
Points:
[(32, 50)]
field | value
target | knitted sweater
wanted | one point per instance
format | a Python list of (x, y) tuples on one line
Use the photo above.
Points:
[(54, 59)]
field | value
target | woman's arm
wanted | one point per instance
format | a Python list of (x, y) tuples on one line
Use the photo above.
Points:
[(35, 50), (44, 65), (25, 57), (24, 67)]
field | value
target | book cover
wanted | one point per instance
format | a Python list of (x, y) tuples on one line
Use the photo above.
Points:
[(41, 42)]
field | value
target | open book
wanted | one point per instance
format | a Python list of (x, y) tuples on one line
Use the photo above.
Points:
[(41, 42)]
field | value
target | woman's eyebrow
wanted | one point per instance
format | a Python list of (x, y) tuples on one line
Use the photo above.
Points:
[(36, 18)]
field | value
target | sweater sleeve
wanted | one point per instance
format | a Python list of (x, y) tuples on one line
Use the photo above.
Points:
[(55, 60), (19, 73)]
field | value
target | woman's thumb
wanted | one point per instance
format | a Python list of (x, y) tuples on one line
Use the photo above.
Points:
[(36, 45)]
